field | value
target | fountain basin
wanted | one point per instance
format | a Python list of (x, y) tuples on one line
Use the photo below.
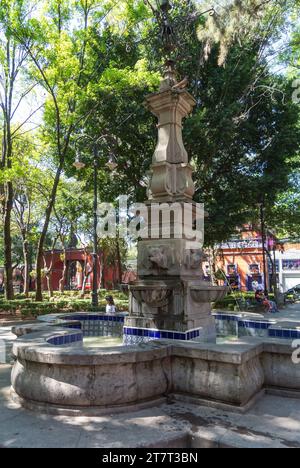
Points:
[(54, 373), (206, 293), (153, 293)]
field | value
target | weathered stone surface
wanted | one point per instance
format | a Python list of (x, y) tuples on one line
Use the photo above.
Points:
[(232, 374), (279, 369), (171, 172), (170, 248)]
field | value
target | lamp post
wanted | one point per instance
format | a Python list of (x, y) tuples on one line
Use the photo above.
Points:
[(111, 164), (263, 237), (168, 36)]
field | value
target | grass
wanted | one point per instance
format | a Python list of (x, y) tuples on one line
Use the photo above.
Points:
[(69, 301)]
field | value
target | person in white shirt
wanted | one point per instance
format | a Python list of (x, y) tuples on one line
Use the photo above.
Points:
[(110, 306)]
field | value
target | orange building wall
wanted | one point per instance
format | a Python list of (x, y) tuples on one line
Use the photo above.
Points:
[(242, 260)]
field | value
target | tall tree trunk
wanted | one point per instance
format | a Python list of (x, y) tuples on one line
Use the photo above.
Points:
[(9, 290), (85, 278), (49, 284), (48, 275), (119, 262), (62, 281), (26, 267), (40, 249), (87, 270), (101, 262)]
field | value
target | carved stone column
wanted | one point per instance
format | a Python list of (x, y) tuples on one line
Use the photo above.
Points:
[(171, 172), (170, 299)]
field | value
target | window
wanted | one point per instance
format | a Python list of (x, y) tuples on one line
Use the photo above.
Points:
[(231, 270), (254, 269), (291, 265), (270, 266)]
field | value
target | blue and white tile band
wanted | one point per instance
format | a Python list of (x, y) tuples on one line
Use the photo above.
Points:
[(65, 339), (134, 335), (256, 327)]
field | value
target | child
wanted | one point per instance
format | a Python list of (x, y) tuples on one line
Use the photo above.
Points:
[(110, 306)]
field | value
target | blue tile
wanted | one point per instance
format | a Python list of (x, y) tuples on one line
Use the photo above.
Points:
[(294, 334), (182, 336), (257, 325), (287, 333), (170, 336)]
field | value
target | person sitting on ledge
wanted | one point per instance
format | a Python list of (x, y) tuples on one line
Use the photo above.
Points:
[(110, 306), (270, 306)]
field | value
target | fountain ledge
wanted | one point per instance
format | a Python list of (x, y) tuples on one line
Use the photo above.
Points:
[(71, 379)]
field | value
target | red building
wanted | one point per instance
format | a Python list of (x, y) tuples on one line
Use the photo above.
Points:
[(78, 270)]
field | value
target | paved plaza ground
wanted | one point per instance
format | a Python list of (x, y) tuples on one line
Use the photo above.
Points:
[(272, 422)]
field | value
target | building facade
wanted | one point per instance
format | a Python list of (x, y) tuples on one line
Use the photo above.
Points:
[(79, 270), (241, 262)]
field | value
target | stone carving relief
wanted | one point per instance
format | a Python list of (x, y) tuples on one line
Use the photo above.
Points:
[(193, 259), (159, 258)]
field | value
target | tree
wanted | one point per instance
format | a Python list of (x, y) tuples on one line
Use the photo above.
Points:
[(58, 54), (241, 136), (12, 59)]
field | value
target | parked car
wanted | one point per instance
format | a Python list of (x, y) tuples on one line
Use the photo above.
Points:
[(293, 294)]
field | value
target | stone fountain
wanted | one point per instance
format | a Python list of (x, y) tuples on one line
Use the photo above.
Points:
[(171, 299)]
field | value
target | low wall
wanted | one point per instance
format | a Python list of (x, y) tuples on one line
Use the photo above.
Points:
[(281, 373), (72, 377), (255, 325)]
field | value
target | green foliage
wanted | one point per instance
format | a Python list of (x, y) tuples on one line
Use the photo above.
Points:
[(96, 60), (66, 303), (239, 301)]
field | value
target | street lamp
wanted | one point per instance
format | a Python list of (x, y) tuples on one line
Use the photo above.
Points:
[(263, 238), (111, 165)]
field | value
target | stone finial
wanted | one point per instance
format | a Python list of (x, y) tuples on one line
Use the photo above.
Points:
[(171, 172)]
